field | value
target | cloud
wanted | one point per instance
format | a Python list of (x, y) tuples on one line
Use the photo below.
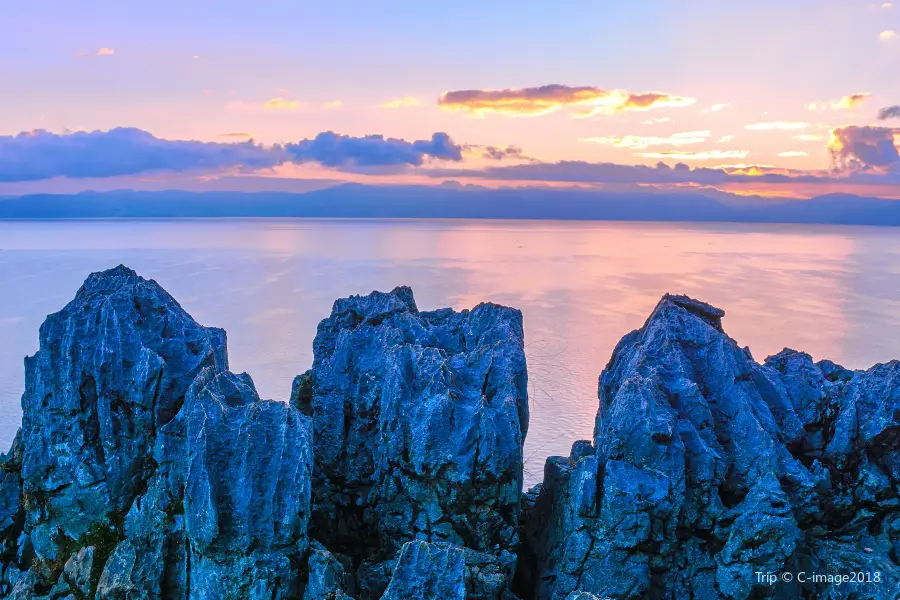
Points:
[(887, 36), (703, 155), (583, 172), (865, 147), (656, 120), (404, 102), (98, 52), (535, 101), (716, 107), (792, 154), (282, 104), (725, 139), (334, 104), (124, 151), (777, 125), (637, 142), (238, 134), (891, 112), (589, 172), (277, 104), (846, 103), (42, 155), (496, 152), (344, 151)]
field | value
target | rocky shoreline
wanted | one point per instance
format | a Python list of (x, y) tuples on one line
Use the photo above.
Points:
[(145, 469)]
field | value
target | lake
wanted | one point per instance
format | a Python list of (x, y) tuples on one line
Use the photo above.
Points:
[(831, 291)]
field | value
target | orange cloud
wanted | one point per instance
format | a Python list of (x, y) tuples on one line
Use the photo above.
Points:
[(334, 104), (404, 102), (845, 103), (792, 154), (282, 104), (275, 104), (546, 99), (888, 36)]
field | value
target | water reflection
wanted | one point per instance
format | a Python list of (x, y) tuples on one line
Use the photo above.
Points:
[(830, 291)]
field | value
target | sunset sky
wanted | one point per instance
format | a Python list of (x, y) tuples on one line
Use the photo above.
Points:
[(787, 98)]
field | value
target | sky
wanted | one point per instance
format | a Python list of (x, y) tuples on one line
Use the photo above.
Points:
[(774, 98)]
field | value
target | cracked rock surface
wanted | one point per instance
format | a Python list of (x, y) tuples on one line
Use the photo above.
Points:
[(707, 467), (419, 422), (145, 469)]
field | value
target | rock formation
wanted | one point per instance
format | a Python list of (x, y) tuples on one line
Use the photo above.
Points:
[(419, 421), (708, 469), (144, 469)]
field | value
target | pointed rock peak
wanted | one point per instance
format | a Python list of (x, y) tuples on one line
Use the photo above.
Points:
[(373, 308), (707, 312), (405, 294), (118, 271), (114, 279)]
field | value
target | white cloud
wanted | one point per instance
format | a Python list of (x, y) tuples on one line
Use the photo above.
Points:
[(638, 142), (777, 125), (704, 155)]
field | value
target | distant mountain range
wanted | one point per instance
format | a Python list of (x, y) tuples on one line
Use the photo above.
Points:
[(455, 202)]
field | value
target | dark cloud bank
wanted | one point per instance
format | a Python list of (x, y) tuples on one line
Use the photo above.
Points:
[(126, 151), (861, 155)]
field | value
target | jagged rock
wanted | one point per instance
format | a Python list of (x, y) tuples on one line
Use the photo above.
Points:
[(327, 575), (148, 470), (226, 514), (113, 366), (426, 571), (12, 515), (708, 468), (78, 569), (419, 421)]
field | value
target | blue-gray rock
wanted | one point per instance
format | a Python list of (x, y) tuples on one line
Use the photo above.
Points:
[(428, 572), (147, 470), (225, 515), (327, 576), (419, 419), (112, 368), (708, 468)]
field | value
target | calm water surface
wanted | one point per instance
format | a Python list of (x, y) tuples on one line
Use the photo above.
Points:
[(834, 292)]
